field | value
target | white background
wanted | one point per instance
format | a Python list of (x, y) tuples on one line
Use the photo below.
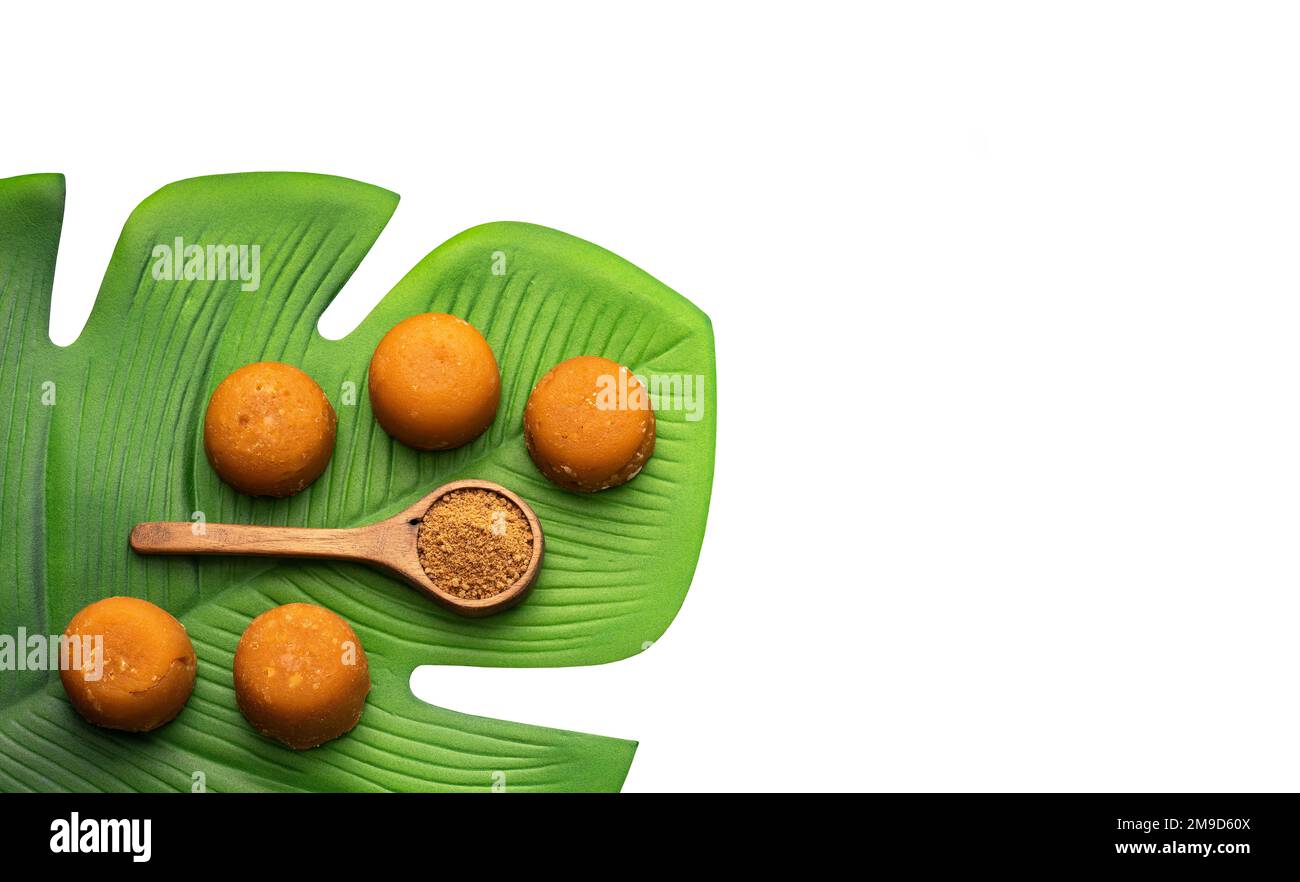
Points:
[(1006, 306)]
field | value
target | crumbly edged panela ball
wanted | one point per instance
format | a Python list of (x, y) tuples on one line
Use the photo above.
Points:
[(269, 429), (434, 382), (589, 425), (301, 676), (137, 664)]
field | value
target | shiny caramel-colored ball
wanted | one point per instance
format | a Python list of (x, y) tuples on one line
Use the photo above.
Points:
[(269, 429), (132, 666), (589, 425), (434, 382), (301, 676)]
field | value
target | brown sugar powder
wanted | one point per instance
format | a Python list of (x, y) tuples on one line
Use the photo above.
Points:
[(474, 543)]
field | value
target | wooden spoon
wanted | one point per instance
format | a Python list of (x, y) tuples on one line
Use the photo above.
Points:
[(389, 545)]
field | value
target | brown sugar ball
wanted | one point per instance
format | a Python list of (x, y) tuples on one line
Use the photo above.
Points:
[(434, 382), (301, 676), (136, 666), (589, 424), (269, 429)]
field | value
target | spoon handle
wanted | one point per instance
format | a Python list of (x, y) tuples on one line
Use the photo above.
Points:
[(181, 538)]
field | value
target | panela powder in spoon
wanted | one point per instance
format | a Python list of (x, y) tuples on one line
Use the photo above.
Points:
[(474, 543)]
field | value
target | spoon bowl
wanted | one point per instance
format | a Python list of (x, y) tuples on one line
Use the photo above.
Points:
[(388, 545)]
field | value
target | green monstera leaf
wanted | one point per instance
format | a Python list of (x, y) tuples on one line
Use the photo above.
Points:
[(107, 432)]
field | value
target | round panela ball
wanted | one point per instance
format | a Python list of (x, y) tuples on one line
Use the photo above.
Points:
[(434, 382), (269, 429), (301, 676), (589, 424), (136, 664)]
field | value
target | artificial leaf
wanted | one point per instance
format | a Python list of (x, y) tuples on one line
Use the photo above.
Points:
[(108, 432)]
